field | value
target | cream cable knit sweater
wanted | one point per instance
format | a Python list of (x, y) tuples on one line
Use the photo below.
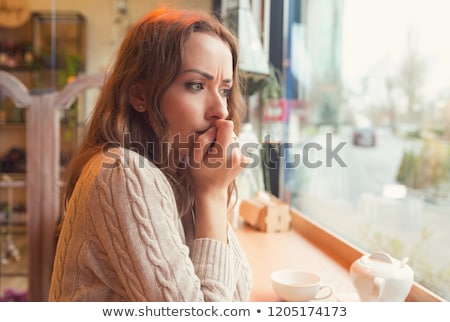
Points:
[(122, 240)]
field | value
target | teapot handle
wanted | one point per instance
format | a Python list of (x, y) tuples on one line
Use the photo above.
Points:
[(378, 287)]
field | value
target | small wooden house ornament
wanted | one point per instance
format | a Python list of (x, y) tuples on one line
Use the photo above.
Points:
[(266, 213)]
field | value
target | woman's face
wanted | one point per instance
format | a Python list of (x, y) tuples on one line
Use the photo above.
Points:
[(198, 96)]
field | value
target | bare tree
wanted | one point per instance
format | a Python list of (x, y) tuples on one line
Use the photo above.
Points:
[(412, 79), (391, 104)]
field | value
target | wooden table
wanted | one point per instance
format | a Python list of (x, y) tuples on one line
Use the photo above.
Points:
[(311, 247), (268, 252)]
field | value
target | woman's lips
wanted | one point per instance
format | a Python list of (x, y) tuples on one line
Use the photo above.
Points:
[(202, 131)]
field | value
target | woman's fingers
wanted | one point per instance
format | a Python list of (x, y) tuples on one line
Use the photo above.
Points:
[(203, 144), (225, 132), (218, 148)]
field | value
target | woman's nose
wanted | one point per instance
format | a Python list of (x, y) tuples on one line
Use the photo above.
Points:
[(217, 107)]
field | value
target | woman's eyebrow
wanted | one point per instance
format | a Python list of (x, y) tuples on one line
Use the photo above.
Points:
[(205, 74)]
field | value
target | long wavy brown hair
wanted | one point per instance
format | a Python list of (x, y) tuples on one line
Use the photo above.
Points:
[(151, 53)]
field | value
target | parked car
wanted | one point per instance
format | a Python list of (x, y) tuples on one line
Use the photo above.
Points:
[(364, 137)]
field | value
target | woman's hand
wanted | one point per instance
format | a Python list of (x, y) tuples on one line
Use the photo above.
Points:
[(216, 159), (215, 162)]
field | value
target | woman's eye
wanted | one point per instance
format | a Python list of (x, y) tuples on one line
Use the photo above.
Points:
[(195, 86), (225, 92)]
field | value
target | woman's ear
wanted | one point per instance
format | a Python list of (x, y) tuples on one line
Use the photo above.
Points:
[(137, 98)]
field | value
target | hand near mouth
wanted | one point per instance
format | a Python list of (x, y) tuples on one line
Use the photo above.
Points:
[(217, 159), (218, 146), (216, 164)]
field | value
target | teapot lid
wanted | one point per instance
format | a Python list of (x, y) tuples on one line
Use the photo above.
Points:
[(383, 261)]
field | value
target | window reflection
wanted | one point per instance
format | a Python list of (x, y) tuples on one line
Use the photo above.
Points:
[(375, 74)]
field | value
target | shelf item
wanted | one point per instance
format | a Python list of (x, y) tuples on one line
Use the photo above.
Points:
[(59, 46)]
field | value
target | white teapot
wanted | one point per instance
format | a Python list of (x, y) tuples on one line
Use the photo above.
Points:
[(379, 277)]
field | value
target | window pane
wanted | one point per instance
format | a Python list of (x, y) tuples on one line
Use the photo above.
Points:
[(370, 123)]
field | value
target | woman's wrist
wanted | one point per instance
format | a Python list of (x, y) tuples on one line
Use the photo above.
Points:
[(211, 215)]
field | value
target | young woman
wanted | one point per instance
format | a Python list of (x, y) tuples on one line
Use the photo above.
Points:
[(148, 194)]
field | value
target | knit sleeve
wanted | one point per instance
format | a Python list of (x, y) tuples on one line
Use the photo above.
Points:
[(206, 256), (134, 213)]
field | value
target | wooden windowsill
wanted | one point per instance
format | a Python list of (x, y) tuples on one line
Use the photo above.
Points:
[(308, 246)]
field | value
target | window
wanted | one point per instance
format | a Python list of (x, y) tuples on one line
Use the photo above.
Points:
[(366, 93)]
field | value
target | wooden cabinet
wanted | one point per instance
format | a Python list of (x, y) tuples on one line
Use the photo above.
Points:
[(39, 128), (43, 170)]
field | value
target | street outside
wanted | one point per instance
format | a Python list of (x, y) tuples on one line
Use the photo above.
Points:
[(350, 201)]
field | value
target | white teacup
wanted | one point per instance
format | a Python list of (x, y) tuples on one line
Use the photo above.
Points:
[(294, 285)]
